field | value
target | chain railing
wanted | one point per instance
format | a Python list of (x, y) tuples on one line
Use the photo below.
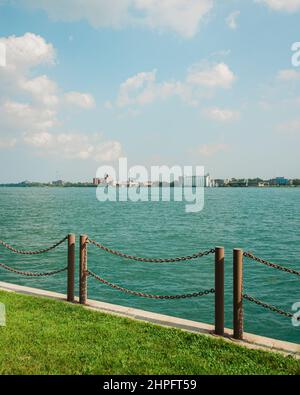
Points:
[(32, 274), (70, 268), (268, 306), (151, 260), (239, 296), (38, 252), (218, 290), (150, 296), (270, 264)]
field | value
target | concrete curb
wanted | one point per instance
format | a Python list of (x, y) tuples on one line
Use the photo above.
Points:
[(250, 341)]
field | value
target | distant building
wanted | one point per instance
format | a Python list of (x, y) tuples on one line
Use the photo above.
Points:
[(132, 183), (58, 183), (296, 182), (255, 182), (107, 180), (208, 182), (238, 182), (196, 181), (96, 181), (147, 184), (213, 183), (192, 181), (219, 182), (279, 181)]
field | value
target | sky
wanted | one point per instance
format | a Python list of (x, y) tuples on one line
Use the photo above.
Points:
[(160, 82)]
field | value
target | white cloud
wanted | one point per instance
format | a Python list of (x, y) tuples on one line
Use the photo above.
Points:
[(212, 149), (30, 108), (181, 16), (19, 117), (231, 20), (83, 100), (134, 87), (75, 146), (143, 88), (26, 51), (218, 75), (289, 75), (43, 139), (24, 54), (43, 90), (282, 5), (221, 115)]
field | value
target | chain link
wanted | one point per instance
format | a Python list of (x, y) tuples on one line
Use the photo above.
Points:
[(270, 264), (151, 260), (32, 274), (20, 252), (145, 295), (268, 306)]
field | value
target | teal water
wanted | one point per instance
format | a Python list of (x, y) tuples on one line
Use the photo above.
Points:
[(264, 221)]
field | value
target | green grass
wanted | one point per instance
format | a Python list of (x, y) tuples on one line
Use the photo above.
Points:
[(49, 337)]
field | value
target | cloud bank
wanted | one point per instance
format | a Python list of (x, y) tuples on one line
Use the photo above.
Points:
[(30, 107), (201, 80), (183, 17)]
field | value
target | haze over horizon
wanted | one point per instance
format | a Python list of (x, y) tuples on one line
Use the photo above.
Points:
[(177, 82)]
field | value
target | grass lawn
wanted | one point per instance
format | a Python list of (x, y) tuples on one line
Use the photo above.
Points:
[(50, 337)]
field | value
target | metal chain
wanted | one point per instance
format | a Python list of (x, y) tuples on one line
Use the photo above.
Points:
[(151, 260), (32, 274), (270, 264), (268, 306), (144, 295), (20, 252)]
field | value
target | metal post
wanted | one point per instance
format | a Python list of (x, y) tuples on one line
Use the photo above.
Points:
[(238, 294), (83, 269), (219, 288), (71, 267)]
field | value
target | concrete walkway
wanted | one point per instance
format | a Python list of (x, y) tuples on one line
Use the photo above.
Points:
[(249, 341)]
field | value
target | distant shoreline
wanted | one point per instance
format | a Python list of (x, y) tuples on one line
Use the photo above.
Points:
[(156, 186)]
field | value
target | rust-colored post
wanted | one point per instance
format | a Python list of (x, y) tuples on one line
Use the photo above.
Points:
[(71, 267), (238, 294), (83, 269), (219, 288)]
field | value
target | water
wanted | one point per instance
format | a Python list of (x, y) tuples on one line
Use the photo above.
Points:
[(264, 221)]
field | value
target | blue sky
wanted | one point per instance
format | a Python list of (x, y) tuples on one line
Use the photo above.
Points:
[(169, 82)]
